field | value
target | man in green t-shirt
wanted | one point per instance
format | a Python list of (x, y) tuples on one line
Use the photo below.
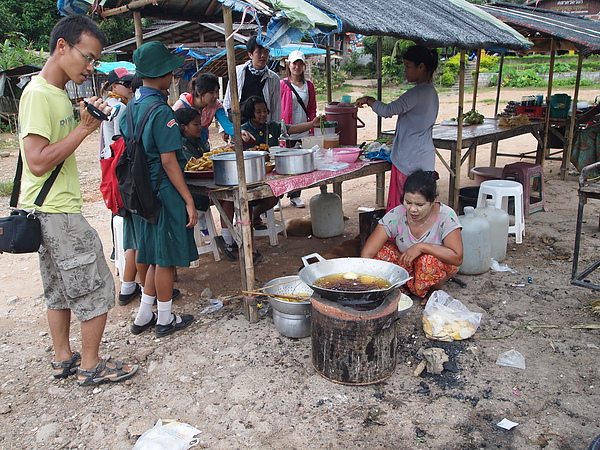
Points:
[(74, 272)]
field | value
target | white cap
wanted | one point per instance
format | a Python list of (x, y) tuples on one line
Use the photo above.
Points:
[(295, 56)]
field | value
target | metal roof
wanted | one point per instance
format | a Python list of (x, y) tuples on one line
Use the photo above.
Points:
[(539, 25)]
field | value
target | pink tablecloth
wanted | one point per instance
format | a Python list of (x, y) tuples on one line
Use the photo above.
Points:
[(280, 185)]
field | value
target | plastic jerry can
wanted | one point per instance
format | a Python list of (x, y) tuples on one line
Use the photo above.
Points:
[(498, 220), (476, 243), (326, 214)]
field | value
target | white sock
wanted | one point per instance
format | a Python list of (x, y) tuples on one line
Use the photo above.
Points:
[(144, 314), (164, 313), (227, 237), (128, 287)]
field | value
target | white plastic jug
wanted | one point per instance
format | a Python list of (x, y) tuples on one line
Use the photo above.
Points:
[(498, 220), (476, 243), (326, 214)]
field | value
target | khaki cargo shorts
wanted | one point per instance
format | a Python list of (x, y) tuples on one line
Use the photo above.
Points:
[(74, 271)]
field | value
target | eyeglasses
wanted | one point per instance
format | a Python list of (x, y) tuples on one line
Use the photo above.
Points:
[(126, 84), (88, 59)]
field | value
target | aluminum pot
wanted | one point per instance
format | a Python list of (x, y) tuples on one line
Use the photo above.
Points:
[(294, 161), (393, 273), (291, 319), (225, 167)]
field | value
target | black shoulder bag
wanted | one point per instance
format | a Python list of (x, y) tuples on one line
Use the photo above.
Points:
[(21, 231)]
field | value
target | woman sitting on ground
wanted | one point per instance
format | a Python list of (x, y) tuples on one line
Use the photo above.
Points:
[(427, 237)]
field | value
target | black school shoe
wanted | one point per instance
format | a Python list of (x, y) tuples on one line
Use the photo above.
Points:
[(125, 299), (165, 330), (227, 250), (137, 329)]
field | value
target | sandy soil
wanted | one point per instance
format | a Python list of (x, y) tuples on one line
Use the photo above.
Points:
[(246, 386)]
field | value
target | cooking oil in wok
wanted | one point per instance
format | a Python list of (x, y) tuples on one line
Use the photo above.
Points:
[(352, 282)]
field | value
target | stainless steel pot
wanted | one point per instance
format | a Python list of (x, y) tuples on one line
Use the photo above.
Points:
[(225, 167), (294, 161), (291, 319), (393, 273)]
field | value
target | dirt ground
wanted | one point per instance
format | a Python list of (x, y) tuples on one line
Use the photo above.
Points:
[(246, 386)]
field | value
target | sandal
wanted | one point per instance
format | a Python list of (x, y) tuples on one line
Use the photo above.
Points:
[(101, 373), (69, 367)]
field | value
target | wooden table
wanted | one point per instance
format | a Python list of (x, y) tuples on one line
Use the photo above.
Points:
[(263, 190), (445, 137)]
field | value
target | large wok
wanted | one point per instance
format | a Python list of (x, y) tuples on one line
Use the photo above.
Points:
[(393, 273)]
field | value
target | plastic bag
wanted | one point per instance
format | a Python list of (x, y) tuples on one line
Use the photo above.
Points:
[(447, 319), (171, 436), (511, 358), (324, 160)]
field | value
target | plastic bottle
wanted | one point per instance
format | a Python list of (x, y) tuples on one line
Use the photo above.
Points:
[(326, 214), (498, 220), (476, 243), (284, 137)]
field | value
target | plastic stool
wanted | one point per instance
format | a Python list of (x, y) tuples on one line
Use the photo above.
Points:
[(500, 191), (273, 227), (529, 175), (201, 238), (117, 223)]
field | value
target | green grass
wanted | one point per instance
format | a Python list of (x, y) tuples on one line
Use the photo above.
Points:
[(6, 187)]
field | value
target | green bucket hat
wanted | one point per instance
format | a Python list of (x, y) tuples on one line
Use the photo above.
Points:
[(154, 60)]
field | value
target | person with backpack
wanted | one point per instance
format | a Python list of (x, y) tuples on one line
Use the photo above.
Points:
[(118, 89), (170, 241), (74, 272)]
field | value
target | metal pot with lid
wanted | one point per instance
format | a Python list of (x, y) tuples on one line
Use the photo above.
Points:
[(294, 161), (395, 275), (225, 167)]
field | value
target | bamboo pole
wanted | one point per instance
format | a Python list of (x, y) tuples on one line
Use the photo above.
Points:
[(570, 133), (137, 26), (127, 7), (246, 264)]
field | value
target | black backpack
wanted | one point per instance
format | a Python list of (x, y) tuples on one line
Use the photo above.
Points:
[(135, 185)]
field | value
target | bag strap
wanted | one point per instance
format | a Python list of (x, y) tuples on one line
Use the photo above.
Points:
[(14, 197), (137, 136), (300, 101)]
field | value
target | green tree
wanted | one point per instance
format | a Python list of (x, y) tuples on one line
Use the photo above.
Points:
[(34, 19), (15, 50)]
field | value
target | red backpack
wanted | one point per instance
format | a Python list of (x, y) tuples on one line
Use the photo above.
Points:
[(109, 185)]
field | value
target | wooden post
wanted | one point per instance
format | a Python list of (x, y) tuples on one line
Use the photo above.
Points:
[(137, 26), (498, 87), (570, 132), (476, 78), (250, 308), (246, 264), (328, 69), (543, 154), (473, 154), (379, 81), (455, 161)]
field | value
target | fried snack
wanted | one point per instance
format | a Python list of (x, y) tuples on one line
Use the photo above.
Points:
[(516, 121), (204, 163), (261, 148)]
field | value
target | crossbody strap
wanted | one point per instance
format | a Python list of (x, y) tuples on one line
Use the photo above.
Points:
[(300, 101), (14, 197), (137, 136)]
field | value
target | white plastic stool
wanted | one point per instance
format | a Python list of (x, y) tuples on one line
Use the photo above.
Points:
[(200, 238), (273, 227), (117, 223), (500, 191)]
